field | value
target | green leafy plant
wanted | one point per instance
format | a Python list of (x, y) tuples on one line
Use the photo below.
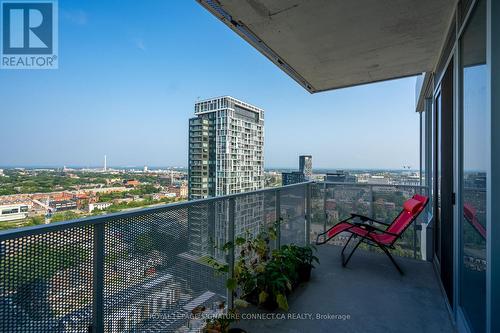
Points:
[(254, 254), (305, 255), (221, 322), (306, 258), (262, 276), (273, 283)]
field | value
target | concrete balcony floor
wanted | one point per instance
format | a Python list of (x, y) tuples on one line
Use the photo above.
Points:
[(370, 290)]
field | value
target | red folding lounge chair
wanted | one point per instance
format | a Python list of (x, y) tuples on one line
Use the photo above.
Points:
[(470, 214), (375, 236)]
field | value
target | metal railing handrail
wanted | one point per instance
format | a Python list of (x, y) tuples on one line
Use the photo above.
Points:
[(298, 209), (372, 185), (107, 218)]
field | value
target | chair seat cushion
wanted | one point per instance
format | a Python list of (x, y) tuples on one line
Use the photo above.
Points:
[(342, 226), (377, 237)]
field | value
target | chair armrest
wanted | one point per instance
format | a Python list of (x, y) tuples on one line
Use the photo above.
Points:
[(366, 226), (325, 233), (371, 228), (366, 218)]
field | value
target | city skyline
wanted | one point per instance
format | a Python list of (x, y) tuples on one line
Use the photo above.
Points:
[(140, 115)]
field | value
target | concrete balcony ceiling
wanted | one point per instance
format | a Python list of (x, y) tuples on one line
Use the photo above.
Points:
[(330, 44)]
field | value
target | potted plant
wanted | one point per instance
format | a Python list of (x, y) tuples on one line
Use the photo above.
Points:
[(290, 262), (262, 277), (221, 323), (254, 256), (306, 258), (273, 285)]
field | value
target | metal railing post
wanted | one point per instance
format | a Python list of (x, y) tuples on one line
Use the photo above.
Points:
[(211, 229), (230, 255), (371, 202), (415, 228), (325, 215), (308, 214), (278, 218), (98, 280)]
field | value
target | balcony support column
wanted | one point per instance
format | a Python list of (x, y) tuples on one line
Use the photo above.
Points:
[(308, 190), (278, 219), (98, 280)]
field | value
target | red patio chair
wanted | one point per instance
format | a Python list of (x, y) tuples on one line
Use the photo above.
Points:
[(470, 213), (372, 235)]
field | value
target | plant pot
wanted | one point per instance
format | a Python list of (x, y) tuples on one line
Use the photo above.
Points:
[(252, 297), (218, 329), (213, 329), (270, 304), (304, 272)]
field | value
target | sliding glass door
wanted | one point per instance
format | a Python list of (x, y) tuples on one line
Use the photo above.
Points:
[(443, 180), (474, 164)]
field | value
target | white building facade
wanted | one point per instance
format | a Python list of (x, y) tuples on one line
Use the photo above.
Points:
[(226, 148)]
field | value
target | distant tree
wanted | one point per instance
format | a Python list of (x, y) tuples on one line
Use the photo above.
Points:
[(35, 220), (64, 216)]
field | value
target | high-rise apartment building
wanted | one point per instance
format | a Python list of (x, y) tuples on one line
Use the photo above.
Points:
[(226, 156), (226, 148), (305, 166), (304, 173)]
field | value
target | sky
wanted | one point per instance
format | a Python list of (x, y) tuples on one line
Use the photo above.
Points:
[(130, 73)]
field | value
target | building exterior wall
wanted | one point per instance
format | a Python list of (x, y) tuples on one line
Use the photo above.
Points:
[(294, 177), (226, 156), (465, 54), (13, 212), (337, 177), (305, 166), (226, 148)]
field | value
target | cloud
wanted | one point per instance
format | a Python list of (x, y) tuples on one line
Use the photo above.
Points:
[(78, 17)]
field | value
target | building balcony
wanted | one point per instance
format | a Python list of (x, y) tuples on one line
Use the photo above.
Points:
[(368, 295), (147, 270)]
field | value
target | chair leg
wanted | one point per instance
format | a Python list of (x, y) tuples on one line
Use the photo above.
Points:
[(344, 262), (345, 246), (392, 259)]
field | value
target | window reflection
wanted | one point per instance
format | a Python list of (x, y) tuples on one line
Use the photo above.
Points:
[(473, 271)]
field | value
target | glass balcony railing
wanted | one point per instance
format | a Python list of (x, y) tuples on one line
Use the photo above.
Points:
[(147, 269), (333, 202)]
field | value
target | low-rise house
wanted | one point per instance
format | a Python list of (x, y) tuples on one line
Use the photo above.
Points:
[(131, 183), (13, 212), (63, 205), (98, 206)]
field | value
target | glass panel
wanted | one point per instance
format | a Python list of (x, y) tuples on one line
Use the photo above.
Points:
[(318, 222), (382, 202), (293, 211), (437, 173), (423, 147), (473, 242)]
